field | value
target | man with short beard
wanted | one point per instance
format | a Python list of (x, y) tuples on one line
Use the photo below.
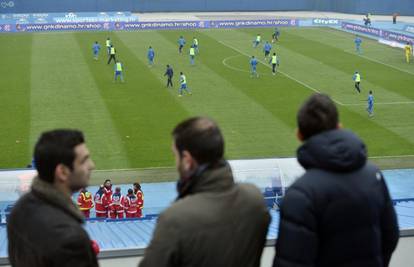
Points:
[(44, 228), (214, 221)]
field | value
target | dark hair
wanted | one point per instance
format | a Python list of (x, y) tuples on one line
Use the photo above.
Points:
[(130, 191), (137, 185), (317, 114), (54, 148), (201, 137)]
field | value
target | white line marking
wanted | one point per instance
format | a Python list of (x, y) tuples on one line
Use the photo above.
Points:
[(384, 103), (379, 62), (285, 74), (352, 52), (234, 68), (231, 67), (173, 168), (396, 156)]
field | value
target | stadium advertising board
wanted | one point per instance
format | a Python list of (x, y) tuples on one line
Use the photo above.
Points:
[(76, 23), (326, 22), (387, 35)]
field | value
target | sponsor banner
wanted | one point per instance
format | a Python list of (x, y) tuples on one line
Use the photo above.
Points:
[(398, 37), (150, 25), (159, 25), (361, 29), (62, 27), (71, 17), (328, 22), (253, 23), (387, 35)]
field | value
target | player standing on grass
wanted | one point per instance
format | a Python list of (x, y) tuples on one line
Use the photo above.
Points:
[(275, 35), (192, 54), (358, 42), (95, 48), (257, 41), (112, 54), (169, 73), (357, 80), (408, 52), (181, 43), (118, 71), (195, 44), (108, 45), (266, 49), (253, 67), (150, 56), (274, 60), (183, 82), (370, 102)]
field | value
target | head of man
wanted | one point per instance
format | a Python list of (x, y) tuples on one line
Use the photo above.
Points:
[(196, 141), (137, 187), (62, 159), (316, 115), (108, 184)]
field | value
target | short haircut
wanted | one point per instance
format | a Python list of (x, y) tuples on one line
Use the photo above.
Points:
[(317, 114), (56, 147), (201, 137)]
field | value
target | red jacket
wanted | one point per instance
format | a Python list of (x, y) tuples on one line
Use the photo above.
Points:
[(101, 202), (85, 201), (117, 200), (131, 204), (140, 199), (108, 192)]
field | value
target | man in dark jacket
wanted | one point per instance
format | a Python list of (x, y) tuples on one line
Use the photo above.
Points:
[(213, 222), (44, 228), (339, 213), (169, 73)]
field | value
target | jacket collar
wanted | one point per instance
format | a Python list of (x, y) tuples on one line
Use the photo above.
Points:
[(50, 194), (217, 177)]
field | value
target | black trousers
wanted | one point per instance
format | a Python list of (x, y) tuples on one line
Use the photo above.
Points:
[(273, 68), (357, 87), (110, 58), (169, 82)]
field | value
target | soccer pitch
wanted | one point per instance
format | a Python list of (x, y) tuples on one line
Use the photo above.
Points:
[(51, 80)]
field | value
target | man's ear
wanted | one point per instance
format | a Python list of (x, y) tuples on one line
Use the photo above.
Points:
[(62, 173), (187, 159), (339, 126), (299, 135)]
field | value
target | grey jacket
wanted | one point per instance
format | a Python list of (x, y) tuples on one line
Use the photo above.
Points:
[(218, 223)]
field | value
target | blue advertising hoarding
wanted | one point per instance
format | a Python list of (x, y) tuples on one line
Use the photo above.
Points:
[(384, 34), (112, 24)]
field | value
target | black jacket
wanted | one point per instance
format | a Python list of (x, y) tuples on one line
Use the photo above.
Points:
[(339, 213), (216, 223), (44, 229)]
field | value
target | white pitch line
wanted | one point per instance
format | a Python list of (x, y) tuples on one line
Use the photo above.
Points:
[(172, 167), (231, 67), (234, 68), (379, 62), (396, 156), (285, 74), (384, 103)]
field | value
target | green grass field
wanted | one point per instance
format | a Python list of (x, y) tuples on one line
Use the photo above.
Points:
[(50, 80)]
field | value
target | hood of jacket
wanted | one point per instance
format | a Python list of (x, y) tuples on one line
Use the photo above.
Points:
[(335, 150)]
